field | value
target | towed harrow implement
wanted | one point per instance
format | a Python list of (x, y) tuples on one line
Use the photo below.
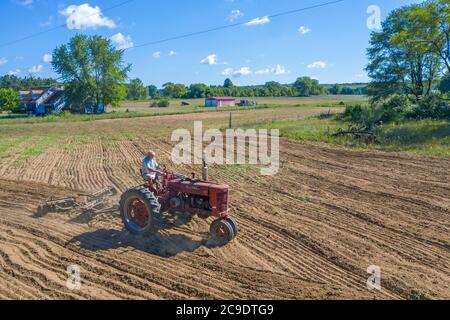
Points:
[(96, 203)]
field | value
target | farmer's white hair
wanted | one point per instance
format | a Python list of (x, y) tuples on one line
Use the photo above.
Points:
[(151, 152)]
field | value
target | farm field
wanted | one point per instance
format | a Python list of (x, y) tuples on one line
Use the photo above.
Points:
[(136, 109), (175, 104), (309, 232)]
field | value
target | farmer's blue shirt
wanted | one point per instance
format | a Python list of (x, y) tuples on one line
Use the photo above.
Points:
[(146, 164)]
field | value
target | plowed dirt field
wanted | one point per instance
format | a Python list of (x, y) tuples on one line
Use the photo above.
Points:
[(309, 232)]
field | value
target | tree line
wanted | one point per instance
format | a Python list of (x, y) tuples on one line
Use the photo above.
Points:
[(18, 83), (78, 87), (302, 87)]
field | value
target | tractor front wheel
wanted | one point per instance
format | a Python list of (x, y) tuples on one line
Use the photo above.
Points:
[(234, 225), (222, 231), (138, 206)]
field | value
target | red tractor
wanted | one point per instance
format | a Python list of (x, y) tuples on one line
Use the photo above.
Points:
[(177, 193)]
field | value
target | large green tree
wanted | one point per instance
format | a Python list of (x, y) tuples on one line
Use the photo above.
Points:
[(197, 90), (152, 91), (93, 71), (275, 88), (136, 90), (174, 90), (307, 86), (405, 57), (9, 99), (228, 83), (431, 25)]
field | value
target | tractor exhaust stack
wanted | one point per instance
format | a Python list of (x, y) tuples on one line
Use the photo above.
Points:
[(205, 175)]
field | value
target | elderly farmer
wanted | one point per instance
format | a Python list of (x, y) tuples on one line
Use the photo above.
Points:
[(149, 168)]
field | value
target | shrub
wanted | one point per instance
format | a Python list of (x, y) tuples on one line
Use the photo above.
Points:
[(395, 108), (431, 107), (371, 116), (9, 100), (444, 85), (160, 103), (364, 115), (353, 113), (163, 103)]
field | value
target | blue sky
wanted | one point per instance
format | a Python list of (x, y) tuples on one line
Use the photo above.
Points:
[(327, 43)]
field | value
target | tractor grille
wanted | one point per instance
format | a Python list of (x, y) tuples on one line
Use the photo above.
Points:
[(222, 201)]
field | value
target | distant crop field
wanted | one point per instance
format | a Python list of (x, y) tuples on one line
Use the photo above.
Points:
[(175, 104), (138, 109)]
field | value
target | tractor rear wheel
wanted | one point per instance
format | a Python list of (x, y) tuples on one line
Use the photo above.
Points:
[(138, 207), (221, 231)]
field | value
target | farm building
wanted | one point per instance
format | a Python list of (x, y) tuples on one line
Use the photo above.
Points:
[(43, 100), (220, 102)]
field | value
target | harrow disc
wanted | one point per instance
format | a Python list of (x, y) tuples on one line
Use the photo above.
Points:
[(42, 210)]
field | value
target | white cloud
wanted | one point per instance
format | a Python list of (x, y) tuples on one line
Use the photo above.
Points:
[(317, 65), (278, 70), (359, 75), (258, 21), (26, 3), (172, 53), (47, 58), (234, 15), (157, 54), (14, 72), (122, 42), (243, 71), (84, 17), (3, 61), (211, 59), (304, 30), (36, 69)]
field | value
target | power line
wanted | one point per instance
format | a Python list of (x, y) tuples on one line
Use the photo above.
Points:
[(61, 26), (229, 26)]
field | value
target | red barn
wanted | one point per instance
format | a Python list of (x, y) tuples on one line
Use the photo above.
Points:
[(220, 102)]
